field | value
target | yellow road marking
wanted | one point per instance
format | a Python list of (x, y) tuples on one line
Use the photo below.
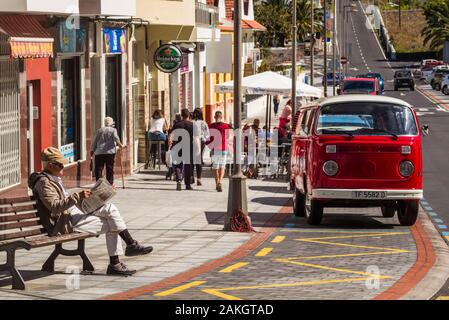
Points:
[(317, 266), (219, 294), (355, 236), (234, 267), (179, 289), (333, 231), (347, 255), (264, 252), (278, 239), (350, 245), (443, 298)]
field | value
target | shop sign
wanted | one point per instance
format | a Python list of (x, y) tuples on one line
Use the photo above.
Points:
[(168, 58), (71, 39), (68, 151), (30, 49), (114, 40)]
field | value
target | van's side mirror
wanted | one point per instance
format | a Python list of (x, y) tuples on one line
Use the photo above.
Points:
[(425, 129)]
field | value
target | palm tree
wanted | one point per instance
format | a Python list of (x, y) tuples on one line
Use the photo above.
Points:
[(436, 32), (303, 19), (274, 15)]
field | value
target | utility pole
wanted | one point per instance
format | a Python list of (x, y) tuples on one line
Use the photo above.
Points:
[(325, 46), (312, 43), (334, 44), (294, 33), (399, 11), (237, 196)]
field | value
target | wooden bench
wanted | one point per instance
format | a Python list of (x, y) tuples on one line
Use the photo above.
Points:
[(21, 228)]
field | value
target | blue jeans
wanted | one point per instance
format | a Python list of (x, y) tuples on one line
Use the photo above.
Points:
[(157, 136)]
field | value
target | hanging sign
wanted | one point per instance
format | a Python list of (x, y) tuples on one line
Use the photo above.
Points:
[(168, 58), (114, 40)]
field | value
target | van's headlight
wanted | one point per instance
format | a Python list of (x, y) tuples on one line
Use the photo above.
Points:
[(330, 168), (406, 168)]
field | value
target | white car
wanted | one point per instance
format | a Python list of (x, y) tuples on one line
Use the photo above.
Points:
[(445, 85), (429, 74)]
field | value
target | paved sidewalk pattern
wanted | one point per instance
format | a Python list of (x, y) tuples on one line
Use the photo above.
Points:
[(184, 227)]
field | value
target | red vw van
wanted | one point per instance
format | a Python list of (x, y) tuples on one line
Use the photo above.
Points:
[(357, 151)]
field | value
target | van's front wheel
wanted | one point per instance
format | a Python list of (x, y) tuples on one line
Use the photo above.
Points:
[(408, 212), (314, 211), (388, 212)]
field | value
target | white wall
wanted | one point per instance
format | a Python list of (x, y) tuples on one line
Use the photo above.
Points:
[(40, 6)]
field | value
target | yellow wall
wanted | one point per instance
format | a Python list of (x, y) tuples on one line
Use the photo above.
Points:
[(165, 12)]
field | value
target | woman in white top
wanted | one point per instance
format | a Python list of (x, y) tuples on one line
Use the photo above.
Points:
[(200, 136), (158, 127)]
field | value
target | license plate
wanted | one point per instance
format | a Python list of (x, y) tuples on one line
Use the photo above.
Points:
[(369, 195)]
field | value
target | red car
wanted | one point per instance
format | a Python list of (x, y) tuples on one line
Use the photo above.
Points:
[(359, 86), (357, 151)]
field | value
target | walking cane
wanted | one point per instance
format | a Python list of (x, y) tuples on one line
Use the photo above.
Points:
[(121, 168)]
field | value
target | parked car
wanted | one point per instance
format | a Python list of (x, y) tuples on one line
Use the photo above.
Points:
[(437, 79), (359, 86), (373, 75), (357, 151), (431, 63), (445, 85), (403, 78), (429, 72), (339, 76)]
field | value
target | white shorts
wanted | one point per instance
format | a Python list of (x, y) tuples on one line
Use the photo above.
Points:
[(219, 159)]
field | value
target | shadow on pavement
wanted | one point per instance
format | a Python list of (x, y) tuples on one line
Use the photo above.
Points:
[(258, 219), (272, 201), (271, 189)]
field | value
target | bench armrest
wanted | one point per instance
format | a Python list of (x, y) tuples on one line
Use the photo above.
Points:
[(15, 245)]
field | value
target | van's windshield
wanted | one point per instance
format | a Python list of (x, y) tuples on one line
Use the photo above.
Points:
[(366, 118)]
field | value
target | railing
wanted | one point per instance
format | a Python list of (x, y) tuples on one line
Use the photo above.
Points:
[(206, 15)]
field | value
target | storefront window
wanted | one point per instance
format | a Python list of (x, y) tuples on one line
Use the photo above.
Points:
[(70, 109), (113, 95)]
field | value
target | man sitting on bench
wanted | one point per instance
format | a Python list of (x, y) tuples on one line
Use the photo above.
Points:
[(61, 213)]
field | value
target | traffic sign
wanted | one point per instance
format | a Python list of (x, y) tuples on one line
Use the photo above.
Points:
[(344, 60)]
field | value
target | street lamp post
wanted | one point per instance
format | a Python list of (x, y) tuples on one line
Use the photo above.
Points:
[(294, 33), (334, 43), (237, 196), (312, 43), (345, 31), (325, 47)]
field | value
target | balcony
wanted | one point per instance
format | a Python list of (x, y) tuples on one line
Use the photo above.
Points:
[(205, 15)]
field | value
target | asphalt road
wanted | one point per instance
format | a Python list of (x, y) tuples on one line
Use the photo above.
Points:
[(365, 55)]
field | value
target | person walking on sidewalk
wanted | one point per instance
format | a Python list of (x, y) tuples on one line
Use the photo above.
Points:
[(61, 213), (104, 148), (186, 165), (200, 136), (220, 149)]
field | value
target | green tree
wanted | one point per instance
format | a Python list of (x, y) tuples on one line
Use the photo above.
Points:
[(304, 19), (436, 32)]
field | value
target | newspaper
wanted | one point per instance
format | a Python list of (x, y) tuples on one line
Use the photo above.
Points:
[(102, 192)]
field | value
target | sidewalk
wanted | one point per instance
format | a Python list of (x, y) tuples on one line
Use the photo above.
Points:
[(185, 228)]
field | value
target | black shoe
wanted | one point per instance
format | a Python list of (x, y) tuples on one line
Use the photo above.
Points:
[(189, 187), (120, 269), (178, 186), (137, 250)]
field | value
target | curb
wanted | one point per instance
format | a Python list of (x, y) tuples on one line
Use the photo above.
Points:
[(429, 273), (437, 276), (256, 240), (433, 98)]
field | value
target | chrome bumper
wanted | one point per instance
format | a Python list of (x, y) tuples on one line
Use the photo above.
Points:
[(349, 194)]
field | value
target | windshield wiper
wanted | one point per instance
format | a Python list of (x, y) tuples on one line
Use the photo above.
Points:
[(394, 135), (329, 131)]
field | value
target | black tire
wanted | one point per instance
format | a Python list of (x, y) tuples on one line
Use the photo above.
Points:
[(298, 203), (408, 212), (445, 90), (432, 84), (388, 212), (314, 212)]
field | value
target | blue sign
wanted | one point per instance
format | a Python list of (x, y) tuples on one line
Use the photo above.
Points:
[(114, 40), (71, 39)]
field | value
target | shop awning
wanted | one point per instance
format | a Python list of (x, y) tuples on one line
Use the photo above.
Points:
[(27, 38)]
